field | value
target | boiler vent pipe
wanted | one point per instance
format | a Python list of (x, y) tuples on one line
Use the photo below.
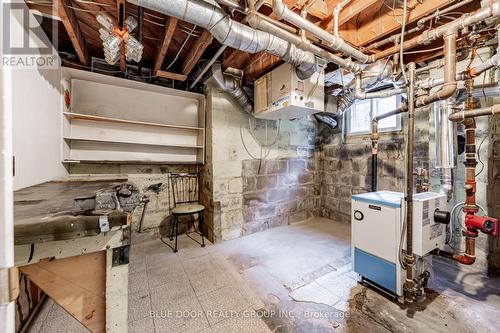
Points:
[(445, 143)]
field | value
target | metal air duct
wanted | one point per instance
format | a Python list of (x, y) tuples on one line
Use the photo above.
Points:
[(232, 86), (232, 33)]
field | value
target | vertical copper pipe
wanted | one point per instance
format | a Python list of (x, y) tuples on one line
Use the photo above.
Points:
[(409, 285)]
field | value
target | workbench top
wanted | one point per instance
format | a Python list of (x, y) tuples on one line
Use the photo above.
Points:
[(48, 211)]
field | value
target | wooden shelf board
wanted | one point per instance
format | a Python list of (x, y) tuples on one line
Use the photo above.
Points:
[(134, 143), (130, 162), (81, 116)]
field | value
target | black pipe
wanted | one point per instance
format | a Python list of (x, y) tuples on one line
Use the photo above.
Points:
[(140, 18), (121, 14), (374, 172)]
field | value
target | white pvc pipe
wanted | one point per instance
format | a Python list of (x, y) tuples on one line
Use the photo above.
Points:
[(7, 311)]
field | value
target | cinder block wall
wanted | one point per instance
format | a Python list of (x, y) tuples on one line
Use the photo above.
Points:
[(245, 195), (346, 165)]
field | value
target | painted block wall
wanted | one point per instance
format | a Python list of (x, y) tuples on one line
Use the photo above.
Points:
[(245, 195)]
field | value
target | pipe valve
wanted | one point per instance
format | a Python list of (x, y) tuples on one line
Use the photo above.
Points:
[(485, 224)]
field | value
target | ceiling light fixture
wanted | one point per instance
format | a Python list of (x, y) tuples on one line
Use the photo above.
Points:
[(112, 36)]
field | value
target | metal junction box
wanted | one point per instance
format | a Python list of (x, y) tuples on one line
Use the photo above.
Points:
[(281, 94), (377, 224)]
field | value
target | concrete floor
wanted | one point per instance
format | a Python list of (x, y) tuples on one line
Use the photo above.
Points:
[(295, 278)]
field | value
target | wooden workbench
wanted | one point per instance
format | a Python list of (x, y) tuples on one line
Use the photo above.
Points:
[(63, 251)]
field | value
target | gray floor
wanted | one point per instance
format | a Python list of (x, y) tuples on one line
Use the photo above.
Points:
[(295, 278)]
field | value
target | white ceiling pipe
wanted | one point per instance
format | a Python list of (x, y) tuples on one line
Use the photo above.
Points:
[(491, 9), (359, 93), (229, 32), (450, 67), (257, 21), (336, 43), (336, 12)]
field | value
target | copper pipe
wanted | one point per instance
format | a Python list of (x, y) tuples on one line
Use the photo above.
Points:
[(450, 68), (409, 284), (468, 258)]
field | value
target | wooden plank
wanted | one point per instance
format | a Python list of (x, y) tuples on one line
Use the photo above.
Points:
[(165, 42), (123, 62), (75, 34), (77, 284), (385, 24), (82, 116), (170, 75), (129, 142), (196, 51)]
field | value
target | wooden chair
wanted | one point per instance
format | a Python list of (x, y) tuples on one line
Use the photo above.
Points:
[(186, 195)]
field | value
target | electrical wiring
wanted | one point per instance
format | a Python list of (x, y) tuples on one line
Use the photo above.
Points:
[(180, 49)]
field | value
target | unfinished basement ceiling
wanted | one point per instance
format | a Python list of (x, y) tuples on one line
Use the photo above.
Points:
[(176, 47)]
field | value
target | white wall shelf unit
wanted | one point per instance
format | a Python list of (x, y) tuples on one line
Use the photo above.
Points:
[(122, 121)]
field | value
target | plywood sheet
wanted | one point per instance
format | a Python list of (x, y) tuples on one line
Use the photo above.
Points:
[(77, 284)]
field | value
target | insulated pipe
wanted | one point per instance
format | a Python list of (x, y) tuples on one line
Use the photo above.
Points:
[(450, 67), (409, 284), (359, 93), (472, 113), (229, 32), (431, 82), (232, 86), (492, 9), (337, 43), (336, 13), (258, 22)]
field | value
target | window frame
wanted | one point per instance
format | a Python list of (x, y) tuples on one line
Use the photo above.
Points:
[(397, 128)]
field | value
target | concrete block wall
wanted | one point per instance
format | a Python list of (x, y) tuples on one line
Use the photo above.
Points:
[(232, 174), (494, 195), (279, 192)]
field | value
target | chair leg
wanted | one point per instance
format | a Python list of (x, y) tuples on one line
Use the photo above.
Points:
[(176, 231), (201, 220), (171, 236)]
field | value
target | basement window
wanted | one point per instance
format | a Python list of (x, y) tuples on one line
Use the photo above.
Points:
[(359, 115)]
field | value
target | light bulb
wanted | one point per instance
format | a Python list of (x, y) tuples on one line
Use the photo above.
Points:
[(106, 21), (130, 23)]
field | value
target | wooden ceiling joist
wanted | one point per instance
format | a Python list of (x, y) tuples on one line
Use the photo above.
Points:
[(350, 11), (170, 75), (164, 43), (73, 29), (196, 51), (387, 23)]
